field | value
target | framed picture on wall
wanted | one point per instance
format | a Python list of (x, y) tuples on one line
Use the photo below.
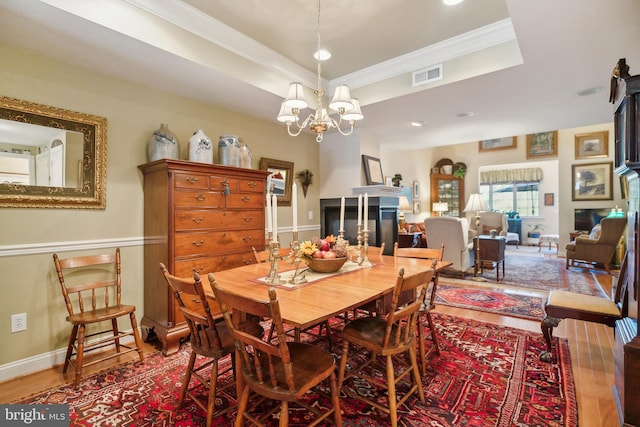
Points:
[(417, 206), (543, 144), (592, 145), (416, 189), (548, 199), (498, 144), (592, 181), (373, 170)]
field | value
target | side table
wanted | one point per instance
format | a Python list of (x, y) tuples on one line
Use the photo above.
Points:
[(409, 240), (491, 252)]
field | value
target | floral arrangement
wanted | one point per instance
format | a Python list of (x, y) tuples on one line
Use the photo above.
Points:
[(327, 248)]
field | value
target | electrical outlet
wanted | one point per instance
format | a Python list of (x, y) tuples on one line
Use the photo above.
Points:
[(310, 215), (18, 322)]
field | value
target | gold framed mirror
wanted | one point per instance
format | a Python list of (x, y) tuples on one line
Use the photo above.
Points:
[(51, 157)]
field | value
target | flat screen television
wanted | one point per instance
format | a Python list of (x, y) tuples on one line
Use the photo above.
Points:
[(586, 219)]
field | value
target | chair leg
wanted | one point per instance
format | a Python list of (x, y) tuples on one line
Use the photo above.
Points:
[(242, 406), (187, 377), (80, 353), (343, 364), (136, 335), (421, 349), (284, 414), (211, 404), (114, 327), (416, 372), (335, 398), (547, 325), (72, 341), (391, 391), (434, 335)]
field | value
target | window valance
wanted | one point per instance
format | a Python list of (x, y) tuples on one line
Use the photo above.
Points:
[(506, 176)]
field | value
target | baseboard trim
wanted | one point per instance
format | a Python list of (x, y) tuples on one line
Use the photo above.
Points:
[(39, 362)]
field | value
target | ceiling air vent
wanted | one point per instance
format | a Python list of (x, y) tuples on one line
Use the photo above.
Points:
[(427, 75)]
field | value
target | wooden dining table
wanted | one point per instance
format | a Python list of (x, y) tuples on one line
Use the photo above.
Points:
[(309, 304)]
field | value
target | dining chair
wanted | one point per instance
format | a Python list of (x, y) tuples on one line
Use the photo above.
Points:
[(436, 254), (263, 256), (387, 336), (278, 370), (374, 254), (94, 302), (208, 338)]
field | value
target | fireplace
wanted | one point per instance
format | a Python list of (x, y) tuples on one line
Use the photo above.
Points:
[(382, 223)]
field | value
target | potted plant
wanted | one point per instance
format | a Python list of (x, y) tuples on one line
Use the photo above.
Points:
[(396, 180), (305, 178), (535, 230)]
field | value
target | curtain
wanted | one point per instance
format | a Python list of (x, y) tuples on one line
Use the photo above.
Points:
[(507, 176)]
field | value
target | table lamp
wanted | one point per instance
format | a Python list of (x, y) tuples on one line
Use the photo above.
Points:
[(476, 204), (440, 207), (403, 205)]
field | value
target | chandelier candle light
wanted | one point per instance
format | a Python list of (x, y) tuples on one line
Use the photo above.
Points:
[(319, 120)]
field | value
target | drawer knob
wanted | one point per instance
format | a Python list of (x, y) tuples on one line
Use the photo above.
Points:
[(192, 180), (198, 221), (247, 238), (197, 244), (200, 197), (247, 219), (252, 184), (246, 198)]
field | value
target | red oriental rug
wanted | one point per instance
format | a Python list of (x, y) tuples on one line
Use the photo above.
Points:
[(486, 375), (506, 302)]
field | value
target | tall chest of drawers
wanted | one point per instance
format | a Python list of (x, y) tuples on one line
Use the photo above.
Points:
[(197, 217)]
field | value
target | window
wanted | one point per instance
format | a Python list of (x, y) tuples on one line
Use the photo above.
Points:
[(520, 197), (512, 190)]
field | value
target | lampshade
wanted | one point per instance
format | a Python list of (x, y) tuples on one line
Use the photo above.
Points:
[(403, 203), (286, 115), (295, 97), (354, 113), (476, 203), (440, 207), (341, 99)]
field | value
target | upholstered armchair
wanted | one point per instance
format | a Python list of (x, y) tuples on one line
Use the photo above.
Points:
[(453, 233), (598, 247)]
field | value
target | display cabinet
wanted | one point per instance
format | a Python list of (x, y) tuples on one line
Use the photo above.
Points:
[(449, 189)]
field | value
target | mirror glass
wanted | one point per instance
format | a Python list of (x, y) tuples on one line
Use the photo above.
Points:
[(50, 157)]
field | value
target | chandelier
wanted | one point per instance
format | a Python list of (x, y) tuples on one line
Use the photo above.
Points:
[(319, 120)]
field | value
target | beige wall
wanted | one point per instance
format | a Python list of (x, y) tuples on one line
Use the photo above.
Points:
[(28, 237)]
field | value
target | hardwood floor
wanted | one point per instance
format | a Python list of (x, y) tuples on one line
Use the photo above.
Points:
[(591, 347)]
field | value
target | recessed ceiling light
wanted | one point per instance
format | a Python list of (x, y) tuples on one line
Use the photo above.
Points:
[(465, 114), (590, 91), (322, 55), (451, 2), (417, 124)]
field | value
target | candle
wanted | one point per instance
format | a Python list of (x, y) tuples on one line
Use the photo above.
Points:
[(359, 209), (269, 224), (342, 214), (366, 211), (274, 207), (294, 204)]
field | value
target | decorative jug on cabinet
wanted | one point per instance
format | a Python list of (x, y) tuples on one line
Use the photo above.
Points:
[(200, 148), (229, 150), (163, 144), (245, 156)]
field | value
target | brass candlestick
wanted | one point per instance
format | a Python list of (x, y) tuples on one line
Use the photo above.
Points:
[(295, 260), (274, 256), (340, 240), (365, 260), (359, 259)]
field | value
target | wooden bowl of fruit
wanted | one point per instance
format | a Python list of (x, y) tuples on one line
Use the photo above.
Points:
[(325, 265)]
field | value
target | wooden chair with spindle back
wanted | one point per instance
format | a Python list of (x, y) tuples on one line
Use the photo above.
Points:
[(208, 338), (95, 301), (436, 254), (388, 336), (278, 370)]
